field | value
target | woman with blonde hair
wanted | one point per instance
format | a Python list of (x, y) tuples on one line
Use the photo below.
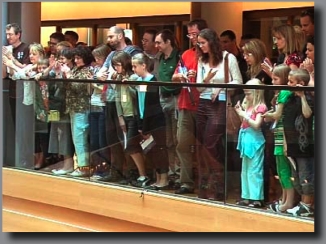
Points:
[(285, 39), (25, 111), (286, 42)]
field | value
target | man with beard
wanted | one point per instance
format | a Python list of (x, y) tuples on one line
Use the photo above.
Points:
[(116, 40)]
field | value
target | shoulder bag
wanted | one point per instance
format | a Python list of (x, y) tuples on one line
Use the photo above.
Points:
[(233, 121)]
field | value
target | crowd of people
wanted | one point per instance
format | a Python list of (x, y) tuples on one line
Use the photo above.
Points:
[(146, 135)]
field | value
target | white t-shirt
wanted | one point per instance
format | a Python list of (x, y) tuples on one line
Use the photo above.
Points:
[(219, 78)]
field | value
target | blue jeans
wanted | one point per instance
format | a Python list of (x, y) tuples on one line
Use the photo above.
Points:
[(80, 130), (98, 141)]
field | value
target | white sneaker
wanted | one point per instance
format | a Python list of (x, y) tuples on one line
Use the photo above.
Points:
[(304, 211), (80, 173), (293, 210), (61, 171)]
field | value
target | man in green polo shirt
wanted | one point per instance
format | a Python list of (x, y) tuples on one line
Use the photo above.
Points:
[(166, 43)]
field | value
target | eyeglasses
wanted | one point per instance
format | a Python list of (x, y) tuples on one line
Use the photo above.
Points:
[(274, 39), (247, 54), (192, 35)]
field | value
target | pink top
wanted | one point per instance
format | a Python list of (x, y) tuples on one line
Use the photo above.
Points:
[(261, 109)]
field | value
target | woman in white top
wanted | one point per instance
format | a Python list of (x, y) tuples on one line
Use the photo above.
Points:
[(25, 111), (211, 114)]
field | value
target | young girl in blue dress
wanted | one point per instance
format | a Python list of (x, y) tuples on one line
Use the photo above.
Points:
[(251, 145)]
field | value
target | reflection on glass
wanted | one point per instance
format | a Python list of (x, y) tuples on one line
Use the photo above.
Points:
[(250, 163)]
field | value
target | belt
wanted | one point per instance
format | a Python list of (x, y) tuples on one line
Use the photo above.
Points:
[(96, 108)]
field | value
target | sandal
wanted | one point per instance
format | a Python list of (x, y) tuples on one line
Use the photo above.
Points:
[(243, 202), (256, 204)]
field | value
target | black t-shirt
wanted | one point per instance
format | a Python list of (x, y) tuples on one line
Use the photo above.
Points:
[(296, 136), (21, 53)]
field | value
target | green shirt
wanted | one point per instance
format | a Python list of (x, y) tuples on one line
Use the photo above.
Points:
[(282, 98), (166, 70)]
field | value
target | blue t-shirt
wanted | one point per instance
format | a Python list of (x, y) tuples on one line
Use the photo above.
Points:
[(141, 95)]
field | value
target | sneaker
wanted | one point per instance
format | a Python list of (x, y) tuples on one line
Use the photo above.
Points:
[(61, 171), (98, 175), (304, 211), (293, 210), (142, 182), (275, 207), (80, 173), (170, 173)]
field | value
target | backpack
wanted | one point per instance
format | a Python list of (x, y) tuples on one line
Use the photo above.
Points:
[(130, 49)]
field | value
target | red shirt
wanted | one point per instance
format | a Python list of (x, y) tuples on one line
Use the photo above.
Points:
[(190, 62)]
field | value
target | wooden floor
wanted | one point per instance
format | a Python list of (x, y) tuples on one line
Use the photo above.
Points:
[(39, 202), (29, 216)]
